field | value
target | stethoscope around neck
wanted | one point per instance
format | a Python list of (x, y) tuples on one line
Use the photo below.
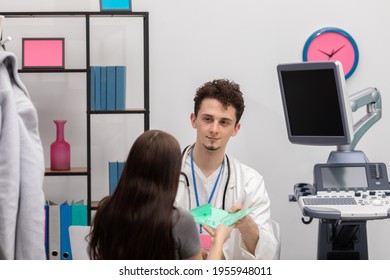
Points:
[(188, 182)]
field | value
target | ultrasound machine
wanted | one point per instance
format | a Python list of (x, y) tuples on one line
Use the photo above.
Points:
[(348, 189)]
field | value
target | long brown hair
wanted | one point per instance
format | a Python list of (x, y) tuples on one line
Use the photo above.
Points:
[(136, 221)]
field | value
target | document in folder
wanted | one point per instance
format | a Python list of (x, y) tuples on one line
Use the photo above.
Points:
[(211, 216)]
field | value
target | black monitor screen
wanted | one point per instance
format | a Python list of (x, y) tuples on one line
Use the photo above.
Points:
[(310, 96), (314, 103)]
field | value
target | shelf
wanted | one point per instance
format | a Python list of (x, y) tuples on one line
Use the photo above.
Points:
[(94, 205), (49, 70), (127, 111), (72, 14), (87, 16), (75, 171)]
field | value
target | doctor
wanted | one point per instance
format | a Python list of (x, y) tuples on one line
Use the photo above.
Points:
[(210, 176)]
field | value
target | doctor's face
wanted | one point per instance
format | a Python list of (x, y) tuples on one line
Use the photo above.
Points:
[(214, 124)]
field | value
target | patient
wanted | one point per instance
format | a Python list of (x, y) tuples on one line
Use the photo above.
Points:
[(139, 220)]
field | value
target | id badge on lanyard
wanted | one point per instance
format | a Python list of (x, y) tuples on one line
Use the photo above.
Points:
[(205, 241), (205, 238)]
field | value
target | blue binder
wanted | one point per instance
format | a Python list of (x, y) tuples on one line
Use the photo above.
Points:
[(121, 165), (113, 176), (120, 87), (92, 89), (111, 102), (65, 222), (103, 88), (97, 88), (47, 230)]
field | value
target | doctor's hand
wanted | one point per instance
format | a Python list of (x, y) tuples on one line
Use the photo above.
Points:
[(248, 229), (245, 222)]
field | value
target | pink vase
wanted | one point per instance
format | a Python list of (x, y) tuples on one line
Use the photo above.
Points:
[(60, 149)]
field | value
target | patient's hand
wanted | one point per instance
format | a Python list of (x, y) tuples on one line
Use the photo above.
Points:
[(209, 230), (222, 233)]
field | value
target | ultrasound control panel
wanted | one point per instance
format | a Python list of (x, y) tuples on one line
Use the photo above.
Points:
[(348, 192), (351, 177)]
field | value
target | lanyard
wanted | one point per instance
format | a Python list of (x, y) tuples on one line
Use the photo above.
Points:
[(194, 181)]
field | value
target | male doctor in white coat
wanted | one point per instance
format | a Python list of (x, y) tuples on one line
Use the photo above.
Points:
[(210, 176)]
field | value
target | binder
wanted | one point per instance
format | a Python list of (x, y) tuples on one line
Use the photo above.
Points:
[(54, 231), (97, 88), (120, 87), (65, 223), (121, 165), (47, 230), (79, 213), (92, 89), (103, 88), (111, 102), (113, 176)]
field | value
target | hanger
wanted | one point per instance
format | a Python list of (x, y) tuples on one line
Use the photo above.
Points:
[(5, 40)]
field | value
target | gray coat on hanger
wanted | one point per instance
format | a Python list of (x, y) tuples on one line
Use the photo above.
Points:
[(22, 217)]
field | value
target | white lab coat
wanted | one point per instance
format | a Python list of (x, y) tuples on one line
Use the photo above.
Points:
[(246, 188), (22, 219)]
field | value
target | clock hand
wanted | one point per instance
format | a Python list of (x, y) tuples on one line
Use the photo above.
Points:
[(329, 55), (335, 51)]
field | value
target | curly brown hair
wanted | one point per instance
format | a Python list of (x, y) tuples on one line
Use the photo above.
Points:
[(225, 91)]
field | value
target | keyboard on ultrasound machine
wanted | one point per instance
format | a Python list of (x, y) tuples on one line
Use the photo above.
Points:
[(348, 191), (347, 205)]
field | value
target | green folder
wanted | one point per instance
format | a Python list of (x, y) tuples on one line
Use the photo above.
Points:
[(211, 216)]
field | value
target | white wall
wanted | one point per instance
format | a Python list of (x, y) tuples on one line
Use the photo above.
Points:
[(195, 41)]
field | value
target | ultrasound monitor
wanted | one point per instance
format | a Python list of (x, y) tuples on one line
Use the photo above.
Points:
[(316, 106)]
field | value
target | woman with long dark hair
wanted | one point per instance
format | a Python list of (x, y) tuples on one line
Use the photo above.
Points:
[(139, 221)]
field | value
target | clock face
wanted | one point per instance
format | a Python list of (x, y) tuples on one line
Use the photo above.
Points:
[(332, 44)]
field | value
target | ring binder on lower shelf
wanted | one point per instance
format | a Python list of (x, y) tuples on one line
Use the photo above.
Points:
[(65, 222), (58, 220), (54, 231)]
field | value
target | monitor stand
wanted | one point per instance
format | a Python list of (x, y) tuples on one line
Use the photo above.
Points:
[(343, 240), (347, 157)]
